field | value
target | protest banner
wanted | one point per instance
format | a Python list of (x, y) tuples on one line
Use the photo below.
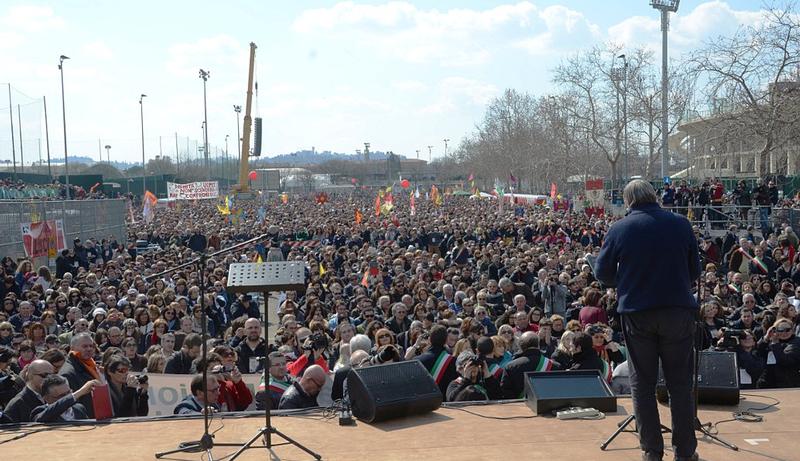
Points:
[(166, 391), (193, 190), (43, 238)]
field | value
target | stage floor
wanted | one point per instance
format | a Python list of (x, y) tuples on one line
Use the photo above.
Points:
[(447, 434)]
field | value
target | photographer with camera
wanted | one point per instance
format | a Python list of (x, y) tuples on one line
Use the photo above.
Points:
[(314, 348), (743, 343), (475, 381), (234, 394), (388, 353), (128, 391), (554, 295)]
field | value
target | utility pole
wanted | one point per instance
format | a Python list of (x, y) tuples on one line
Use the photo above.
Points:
[(21, 153), (144, 164), (446, 140), (13, 143), (62, 58), (430, 154), (47, 137)]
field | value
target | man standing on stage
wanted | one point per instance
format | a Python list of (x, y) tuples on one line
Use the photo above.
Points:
[(651, 256)]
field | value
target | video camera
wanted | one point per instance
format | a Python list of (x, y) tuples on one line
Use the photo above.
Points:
[(730, 338), (317, 341)]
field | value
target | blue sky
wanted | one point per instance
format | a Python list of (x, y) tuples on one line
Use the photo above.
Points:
[(401, 75)]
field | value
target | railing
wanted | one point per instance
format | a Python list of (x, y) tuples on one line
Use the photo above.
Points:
[(719, 217), (13, 193), (82, 219)]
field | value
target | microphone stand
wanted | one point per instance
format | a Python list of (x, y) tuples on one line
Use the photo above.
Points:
[(206, 442)]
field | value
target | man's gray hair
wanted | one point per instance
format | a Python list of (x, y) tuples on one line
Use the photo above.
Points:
[(360, 343), (639, 192), (73, 343)]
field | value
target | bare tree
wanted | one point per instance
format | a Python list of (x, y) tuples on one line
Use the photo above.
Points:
[(752, 80), (587, 78)]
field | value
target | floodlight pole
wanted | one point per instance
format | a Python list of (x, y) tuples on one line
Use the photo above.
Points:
[(665, 7)]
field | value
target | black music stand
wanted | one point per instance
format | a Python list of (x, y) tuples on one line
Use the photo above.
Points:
[(266, 277)]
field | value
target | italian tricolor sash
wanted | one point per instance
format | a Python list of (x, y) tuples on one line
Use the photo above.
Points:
[(760, 265), (544, 364), (734, 288), (495, 370), (440, 366), (278, 386)]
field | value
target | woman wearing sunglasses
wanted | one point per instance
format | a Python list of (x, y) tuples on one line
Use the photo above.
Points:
[(780, 347)]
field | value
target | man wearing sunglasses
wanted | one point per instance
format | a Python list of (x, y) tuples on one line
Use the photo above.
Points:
[(21, 406)]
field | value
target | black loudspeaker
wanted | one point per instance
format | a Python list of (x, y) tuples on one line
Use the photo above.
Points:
[(392, 390), (717, 379), (546, 391), (257, 138)]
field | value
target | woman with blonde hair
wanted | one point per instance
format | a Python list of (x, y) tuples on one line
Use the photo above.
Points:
[(564, 350)]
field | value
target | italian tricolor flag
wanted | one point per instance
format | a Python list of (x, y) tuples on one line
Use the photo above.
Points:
[(440, 366)]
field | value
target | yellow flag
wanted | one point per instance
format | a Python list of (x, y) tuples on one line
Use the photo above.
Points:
[(258, 259), (321, 270)]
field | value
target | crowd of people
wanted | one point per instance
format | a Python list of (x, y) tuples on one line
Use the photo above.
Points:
[(15, 189), (478, 293)]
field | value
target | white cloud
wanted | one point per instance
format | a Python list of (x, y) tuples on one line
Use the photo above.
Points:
[(687, 29), (456, 92), (455, 37), (30, 18), (207, 53), (564, 30)]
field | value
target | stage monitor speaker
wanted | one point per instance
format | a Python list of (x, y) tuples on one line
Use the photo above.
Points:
[(392, 390), (717, 379), (257, 138), (546, 391)]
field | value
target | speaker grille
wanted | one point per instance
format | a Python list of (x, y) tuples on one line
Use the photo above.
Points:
[(257, 138), (392, 390)]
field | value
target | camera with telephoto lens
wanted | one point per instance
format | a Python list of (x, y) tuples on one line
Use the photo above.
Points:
[(386, 353), (317, 341), (142, 379), (730, 339)]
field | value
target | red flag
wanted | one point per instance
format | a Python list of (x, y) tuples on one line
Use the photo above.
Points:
[(553, 191), (413, 205), (359, 216), (378, 205)]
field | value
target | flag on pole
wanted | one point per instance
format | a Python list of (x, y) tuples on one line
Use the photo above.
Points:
[(148, 211), (359, 216), (512, 178), (413, 204), (378, 205), (471, 177), (553, 191), (436, 197), (322, 270), (225, 209)]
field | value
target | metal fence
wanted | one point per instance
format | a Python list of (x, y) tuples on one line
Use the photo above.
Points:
[(82, 219)]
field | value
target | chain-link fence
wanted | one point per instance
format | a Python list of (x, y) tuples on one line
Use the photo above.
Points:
[(100, 219)]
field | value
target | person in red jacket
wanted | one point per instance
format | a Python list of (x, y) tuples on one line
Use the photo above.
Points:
[(233, 392), (297, 367)]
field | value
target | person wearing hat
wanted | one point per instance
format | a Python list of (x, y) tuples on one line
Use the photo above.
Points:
[(81, 254), (475, 382)]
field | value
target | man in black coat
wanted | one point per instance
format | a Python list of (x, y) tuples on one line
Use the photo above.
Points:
[(61, 404), (79, 367), (438, 361), (530, 358), (303, 393), (197, 242), (651, 256), (21, 406), (181, 362)]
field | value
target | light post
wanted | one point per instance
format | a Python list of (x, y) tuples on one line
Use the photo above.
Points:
[(366, 152), (204, 75), (665, 7), (108, 153), (430, 154), (446, 140), (144, 164), (225, 168), (63, 58), (625, 110)]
